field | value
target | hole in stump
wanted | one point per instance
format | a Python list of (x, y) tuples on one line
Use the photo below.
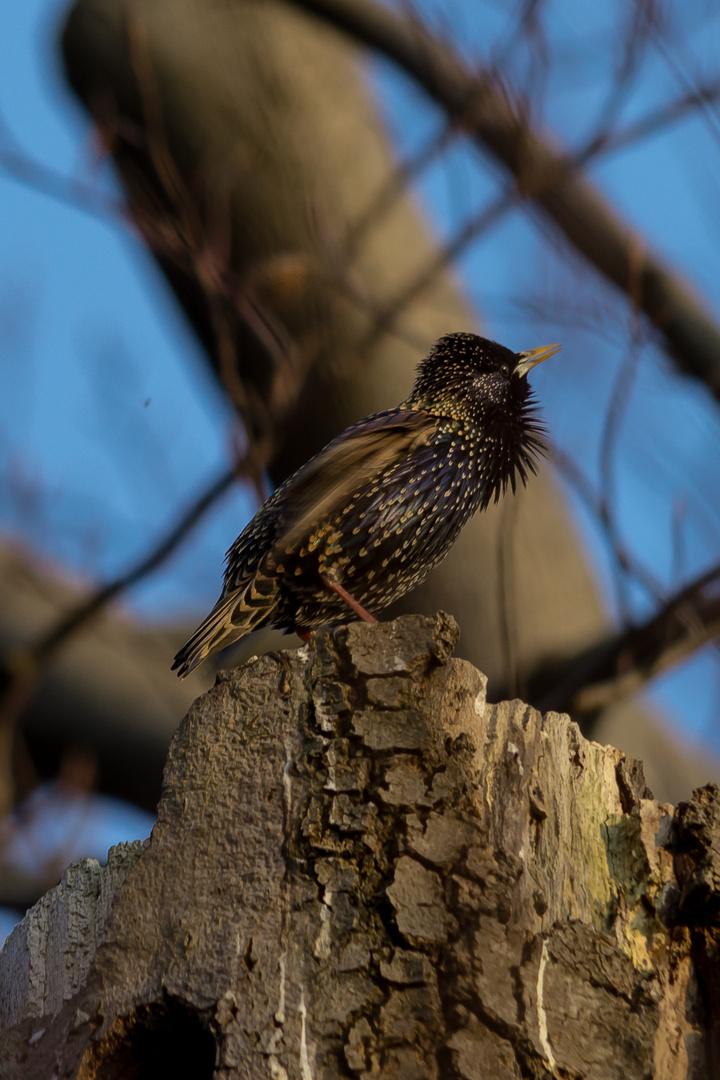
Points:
[(163, 1041)]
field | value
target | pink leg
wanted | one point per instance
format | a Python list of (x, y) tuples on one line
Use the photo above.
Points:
[(357, 608), (304, 635)]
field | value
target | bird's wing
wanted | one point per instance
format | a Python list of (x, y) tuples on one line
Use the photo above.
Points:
[(318, 491), (325, 486)]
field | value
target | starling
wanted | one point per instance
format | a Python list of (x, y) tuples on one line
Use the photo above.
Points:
[(368, 518)]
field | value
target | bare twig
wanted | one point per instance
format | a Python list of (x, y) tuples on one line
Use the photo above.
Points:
[(625, 663), (528, 28), (66, 189), (95, 603), (395, 187), (627, 70), (668, 50), (576, 478), (470, 231), (341, 277), (678, 538), (656, 120), (614, 414)]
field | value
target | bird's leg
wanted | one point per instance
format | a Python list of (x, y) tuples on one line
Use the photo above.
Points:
[(357, 608), (304, 635)]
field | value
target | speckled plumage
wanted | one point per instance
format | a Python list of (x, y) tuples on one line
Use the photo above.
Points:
[(382, 504)]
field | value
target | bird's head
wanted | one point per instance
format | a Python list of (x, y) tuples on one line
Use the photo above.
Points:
[(483, 385), (471, 378)]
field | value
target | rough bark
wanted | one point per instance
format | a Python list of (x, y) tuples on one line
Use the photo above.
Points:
[(361, 868)]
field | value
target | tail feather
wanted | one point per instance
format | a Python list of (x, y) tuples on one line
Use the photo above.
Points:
[(234, 616)]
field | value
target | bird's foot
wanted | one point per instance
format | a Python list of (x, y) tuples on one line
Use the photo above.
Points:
[(357, 608)]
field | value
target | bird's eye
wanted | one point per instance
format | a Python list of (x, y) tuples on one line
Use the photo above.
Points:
[(505, 370)]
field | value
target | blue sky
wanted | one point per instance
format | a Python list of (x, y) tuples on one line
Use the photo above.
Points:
[(110, 422)]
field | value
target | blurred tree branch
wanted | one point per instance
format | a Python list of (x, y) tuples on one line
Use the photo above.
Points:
[(626, 662), (543, 174), (77, 618), (109, 690), (23, 667), (655, 121), (597, 506), (16, 162)]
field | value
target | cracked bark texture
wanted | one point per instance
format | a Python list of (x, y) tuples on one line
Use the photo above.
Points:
[(362, 869)]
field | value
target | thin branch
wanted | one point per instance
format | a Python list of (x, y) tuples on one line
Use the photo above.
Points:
[(21, 671), (655, 121), (678, 538), (383, 317), (395, 187), (528, 30), (578, 481), (542, 171), (627, 71), (15, 162), (614, 415), (470, 231), (627, 662), (95, 603), (667, 50)]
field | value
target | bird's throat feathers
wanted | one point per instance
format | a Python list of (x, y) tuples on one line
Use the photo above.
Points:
[(468, 384), (515, 441)]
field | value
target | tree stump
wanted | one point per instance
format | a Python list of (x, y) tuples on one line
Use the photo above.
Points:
[(362, 869)]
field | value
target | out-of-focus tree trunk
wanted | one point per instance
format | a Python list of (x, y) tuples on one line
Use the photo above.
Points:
[(247, 130), (110, 690), (361, 868)]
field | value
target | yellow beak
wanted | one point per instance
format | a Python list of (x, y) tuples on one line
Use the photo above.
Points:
[(528, 360)]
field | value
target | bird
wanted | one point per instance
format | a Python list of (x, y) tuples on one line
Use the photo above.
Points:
[(369, 517)]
